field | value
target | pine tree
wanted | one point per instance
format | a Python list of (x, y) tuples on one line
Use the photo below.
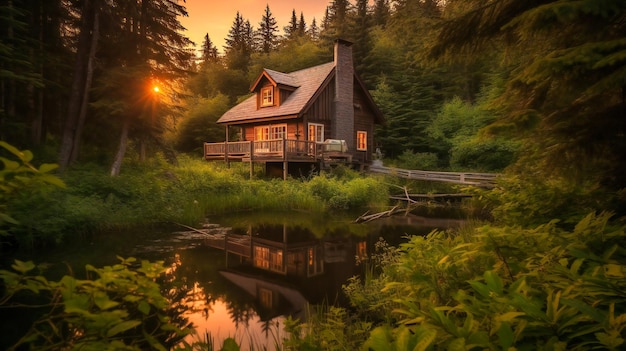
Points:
[(565, 91), (360, 27), (237, 49), (302, 29), (32, 67), (209, 51), (267, 34), (142, 45), (336, 23), (382, 12), (313, 31), (248, 38), (235, 39), (291, 30)]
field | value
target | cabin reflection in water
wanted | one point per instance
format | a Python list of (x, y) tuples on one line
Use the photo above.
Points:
[(283, 267)]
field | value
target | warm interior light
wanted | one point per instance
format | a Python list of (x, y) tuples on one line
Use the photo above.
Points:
[(156, 89)]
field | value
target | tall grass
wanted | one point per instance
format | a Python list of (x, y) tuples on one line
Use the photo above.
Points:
[(156, 192)]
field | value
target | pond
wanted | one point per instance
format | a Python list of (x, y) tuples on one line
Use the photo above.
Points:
[(241, 275)]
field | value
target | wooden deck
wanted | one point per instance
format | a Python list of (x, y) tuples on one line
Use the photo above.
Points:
[(272, 151), (232, 243)]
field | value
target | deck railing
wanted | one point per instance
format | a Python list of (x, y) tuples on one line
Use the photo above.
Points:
[(467, 178), (274, 148)]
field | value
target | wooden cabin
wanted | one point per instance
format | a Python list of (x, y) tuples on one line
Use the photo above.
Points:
[(302, 120)]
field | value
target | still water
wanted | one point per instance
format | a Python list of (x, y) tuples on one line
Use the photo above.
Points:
[(242, 275)]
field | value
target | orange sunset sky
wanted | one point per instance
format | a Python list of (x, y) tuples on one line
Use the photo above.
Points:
[(216, 17)]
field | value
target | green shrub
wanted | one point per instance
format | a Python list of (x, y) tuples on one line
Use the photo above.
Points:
[(116, 308), (485, 155), (494, 288), (20, 179), (503, 288), (529, 201), (426, 161)]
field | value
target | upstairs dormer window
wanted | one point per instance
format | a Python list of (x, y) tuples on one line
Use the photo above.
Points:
[(267, 96)]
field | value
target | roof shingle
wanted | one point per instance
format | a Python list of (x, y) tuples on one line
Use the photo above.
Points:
[(307, 81)]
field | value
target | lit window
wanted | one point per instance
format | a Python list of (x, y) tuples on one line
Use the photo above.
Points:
[(278, 132), (316, 132), (262, 257), (276, 258), (262, 133), (266, 298), (267, 96), (361, 140)]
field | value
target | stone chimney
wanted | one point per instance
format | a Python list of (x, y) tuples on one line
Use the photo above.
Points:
[(343, 123)]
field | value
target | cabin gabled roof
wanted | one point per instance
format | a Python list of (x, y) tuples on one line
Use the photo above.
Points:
[(305, 84), (283, 80), (307, 81)]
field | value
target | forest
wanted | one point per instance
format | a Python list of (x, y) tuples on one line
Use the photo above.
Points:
[(97, 96), (526, 91)]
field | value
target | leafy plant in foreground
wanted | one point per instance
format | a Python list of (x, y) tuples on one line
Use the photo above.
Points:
[(510, 288), (119, 308), (20, 175)]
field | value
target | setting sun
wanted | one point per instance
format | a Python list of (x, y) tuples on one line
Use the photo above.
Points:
[(156, 89)]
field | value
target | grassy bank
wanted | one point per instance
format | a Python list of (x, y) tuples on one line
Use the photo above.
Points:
[(156, 192)]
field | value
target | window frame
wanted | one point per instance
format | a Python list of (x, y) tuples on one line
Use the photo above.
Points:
[(267, 96), (262, 257), (277, 131), (361, 140), (263, 132), (319, 137)]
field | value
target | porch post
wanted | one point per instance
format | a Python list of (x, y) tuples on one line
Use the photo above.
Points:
[(226, 149), (251, 159), (285, 162)]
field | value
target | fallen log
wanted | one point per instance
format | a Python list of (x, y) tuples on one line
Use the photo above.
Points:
[(412, 197), (370, 217)]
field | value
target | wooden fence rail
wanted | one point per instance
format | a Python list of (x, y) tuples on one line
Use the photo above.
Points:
[(486, 180)]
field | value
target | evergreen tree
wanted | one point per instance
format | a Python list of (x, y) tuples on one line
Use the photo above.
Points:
[(326, 19), (267, 34), (336, 24), (566, 82), (361, 24), (235, 39), (291, 30), (142, 46), (248, 36), (209, 51), (313, 31), (32, 67), (302, 29), (382, 12), (237, 49)]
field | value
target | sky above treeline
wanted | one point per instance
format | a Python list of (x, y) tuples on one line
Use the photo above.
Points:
[(216, 17)]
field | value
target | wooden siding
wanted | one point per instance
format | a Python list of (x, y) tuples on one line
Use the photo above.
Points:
[(321, 112), (363, 120), (283, 95)]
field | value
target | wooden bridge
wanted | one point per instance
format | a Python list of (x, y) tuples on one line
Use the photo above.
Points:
[(484, 180)]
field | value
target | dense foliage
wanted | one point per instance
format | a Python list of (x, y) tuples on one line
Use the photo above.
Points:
[(117, 308), (487, 288), (532, 89)]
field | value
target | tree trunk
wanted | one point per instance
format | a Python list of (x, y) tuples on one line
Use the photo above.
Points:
[(8, 86), (121, 151), (35, 95), (78, 86), (82, 116), (142, 150)]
